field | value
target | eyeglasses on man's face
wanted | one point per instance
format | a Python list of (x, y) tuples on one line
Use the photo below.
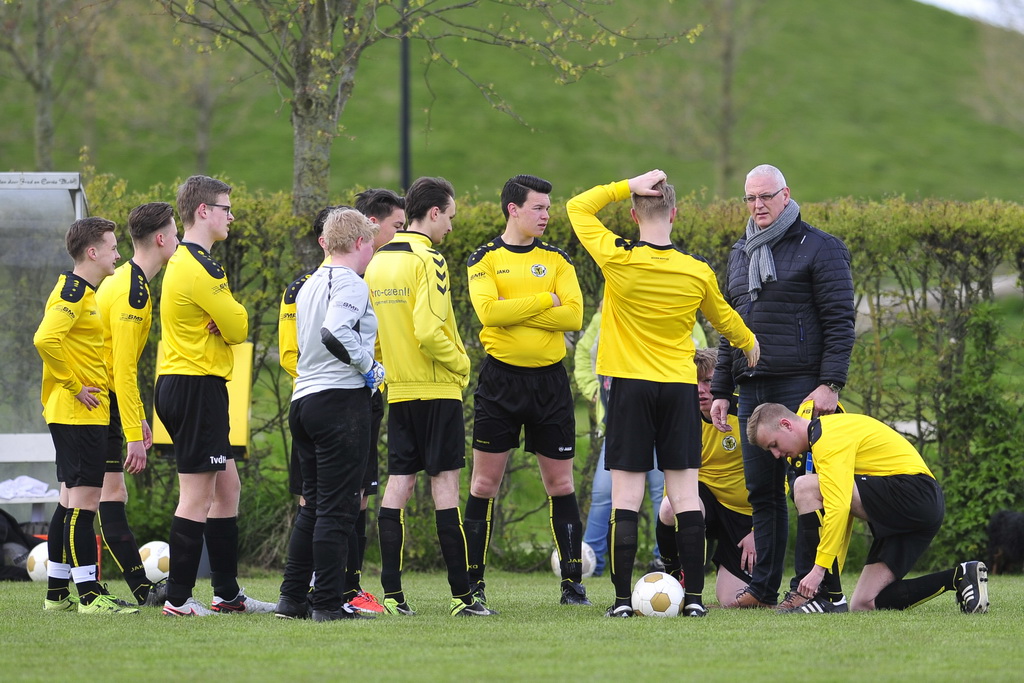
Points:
[(226, 207), (765, 197)]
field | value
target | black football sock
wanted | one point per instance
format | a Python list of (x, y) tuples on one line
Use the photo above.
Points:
[(622, 533), (391, 532), (567, 528), (298, 568), (692, 546), (453, 549), (120, 541), (58, 575), (907, 593), (80, 547), (221, 535), (353, 563), (186, 550), (477, 526), (808, 534), (665, 534), (831, 584)]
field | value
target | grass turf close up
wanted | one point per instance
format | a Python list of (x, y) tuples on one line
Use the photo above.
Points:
[(532, 639)]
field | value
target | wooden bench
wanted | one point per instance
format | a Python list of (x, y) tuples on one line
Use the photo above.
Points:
[(17, 450)]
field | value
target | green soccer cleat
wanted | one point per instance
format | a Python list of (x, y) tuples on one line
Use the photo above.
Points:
[(68, 604), (459, 608), (392, 606), (105, 604)]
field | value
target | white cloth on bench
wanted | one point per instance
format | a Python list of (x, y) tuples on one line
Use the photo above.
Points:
[(26, 487)]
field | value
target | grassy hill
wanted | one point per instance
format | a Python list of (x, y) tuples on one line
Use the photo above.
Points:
[(867, 99)]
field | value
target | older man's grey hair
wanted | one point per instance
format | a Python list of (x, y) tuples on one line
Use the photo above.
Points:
[(769, 171)]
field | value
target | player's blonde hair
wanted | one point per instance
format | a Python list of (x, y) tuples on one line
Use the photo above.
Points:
[(344, 226), (655, 207), (766, 416), (705, 360)]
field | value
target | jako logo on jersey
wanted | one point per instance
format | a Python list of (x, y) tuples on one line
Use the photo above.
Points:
[(538, 270), (503, 271), (218, 459), (564, 449), (729, 443)]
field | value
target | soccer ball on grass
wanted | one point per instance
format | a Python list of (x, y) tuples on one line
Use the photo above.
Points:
[(156, 560), (658, 595), (38, 559)]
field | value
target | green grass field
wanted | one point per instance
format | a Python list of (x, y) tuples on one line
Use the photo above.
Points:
[(532, 639)]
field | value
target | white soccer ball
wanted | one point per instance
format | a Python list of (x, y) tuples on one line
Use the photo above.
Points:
[(38, 560), (658, 595), (589, 562), (156, 560)]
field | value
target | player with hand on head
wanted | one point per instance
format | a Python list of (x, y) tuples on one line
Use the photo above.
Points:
[(652, 293), (76, 406), (126, 307), (863, 468), (526, 295)]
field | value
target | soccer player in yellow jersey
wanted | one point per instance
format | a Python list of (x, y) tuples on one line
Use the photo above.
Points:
[(723, 496), (76, 407), (126, 308), (866, 469), (199, 320), (527, 297), (652, 293), (427, 369)]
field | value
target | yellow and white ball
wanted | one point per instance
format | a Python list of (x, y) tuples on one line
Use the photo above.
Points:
[(658, 595), (156, 560)]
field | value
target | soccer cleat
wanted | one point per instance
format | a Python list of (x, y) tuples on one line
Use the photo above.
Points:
[(191, 608), (477, 593), (118, 601), (695, 609), (620, 611), (292, 609), (747, 600), (972, 588), (105, 604), (242, 604), (68, 604), (793, 599), (574, 593), (346, 611), (819, 606), (460, 609), (157, 594), (392, 606), (366, 602)]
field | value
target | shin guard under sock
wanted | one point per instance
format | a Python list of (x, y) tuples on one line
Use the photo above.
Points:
[(221, 535), (186, 550), (391, 532), (622, 535), (477, 527), (453, 549), (58, 572), (567, 529), (80, 548), (665, 534), (910, 592), (120, 541), (692, 546)]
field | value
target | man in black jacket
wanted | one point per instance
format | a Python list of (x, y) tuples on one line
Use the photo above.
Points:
[(792, 284)]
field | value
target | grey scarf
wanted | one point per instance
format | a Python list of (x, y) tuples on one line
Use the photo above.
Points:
[(759, 247)]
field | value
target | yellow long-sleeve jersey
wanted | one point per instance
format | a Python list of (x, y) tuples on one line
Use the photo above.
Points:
[(842, 446), (510, 287), (195, 291), (651, 298), (721, 465), (70, 341), (126, 310), (419, 341), (287, 327)]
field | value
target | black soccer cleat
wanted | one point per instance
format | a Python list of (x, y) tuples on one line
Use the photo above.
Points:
[(574, 593), (972, 587)]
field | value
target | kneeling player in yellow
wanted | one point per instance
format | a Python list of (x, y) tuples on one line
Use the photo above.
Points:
[(866, 469)]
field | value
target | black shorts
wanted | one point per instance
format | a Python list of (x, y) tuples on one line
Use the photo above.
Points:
[(904, 512), (115, 438), (371, 477), (80, 453), (727, 528), (194, 409), (426, 435), (509, 398), (644, 415)]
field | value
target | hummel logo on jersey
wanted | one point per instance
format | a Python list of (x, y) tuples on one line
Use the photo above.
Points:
[(218, 459)]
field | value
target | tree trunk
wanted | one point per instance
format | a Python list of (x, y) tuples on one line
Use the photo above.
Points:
[(314, 129), (44, 59)]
